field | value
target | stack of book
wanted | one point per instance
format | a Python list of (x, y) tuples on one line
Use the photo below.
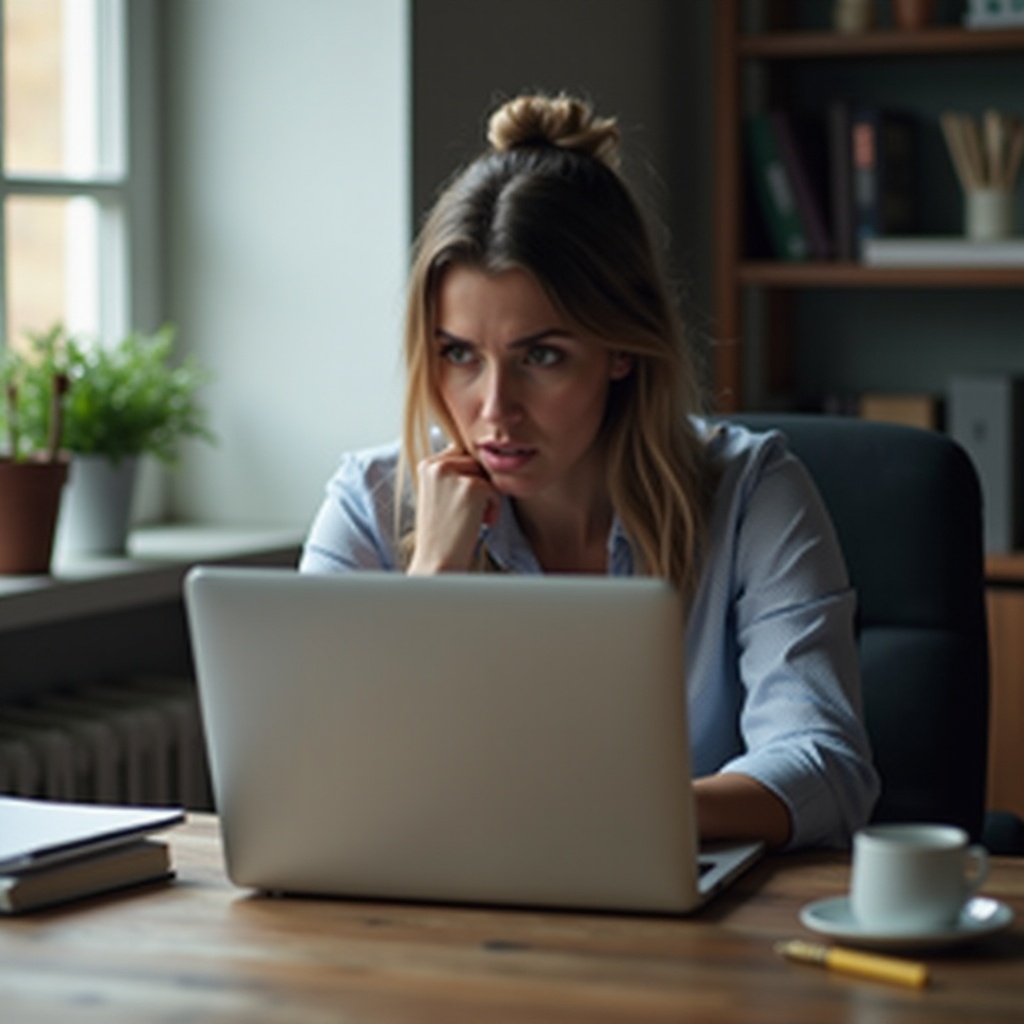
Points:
[(51, 852), (826, 185)]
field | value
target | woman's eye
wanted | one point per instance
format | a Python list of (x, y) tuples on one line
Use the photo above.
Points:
[(544, 355), (457, 353)]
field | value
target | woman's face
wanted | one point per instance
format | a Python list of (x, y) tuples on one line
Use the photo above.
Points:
[(525, 389)]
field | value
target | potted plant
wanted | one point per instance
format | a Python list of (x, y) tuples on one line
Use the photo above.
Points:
[(120, 402)]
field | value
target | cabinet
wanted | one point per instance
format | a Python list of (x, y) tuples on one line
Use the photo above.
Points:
[(775, 320), (1005, 606)]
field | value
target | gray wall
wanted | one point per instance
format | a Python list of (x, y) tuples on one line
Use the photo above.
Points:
[(287, 224), (648, 62)]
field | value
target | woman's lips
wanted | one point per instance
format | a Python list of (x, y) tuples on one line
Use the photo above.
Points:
[(504, 458)]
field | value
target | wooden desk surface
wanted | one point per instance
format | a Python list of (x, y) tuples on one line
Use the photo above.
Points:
[(200, 950)]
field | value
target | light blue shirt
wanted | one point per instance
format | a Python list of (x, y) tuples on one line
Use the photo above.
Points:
[(771, 657)]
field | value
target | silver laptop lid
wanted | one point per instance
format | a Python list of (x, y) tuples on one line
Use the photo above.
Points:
[(478, 738)]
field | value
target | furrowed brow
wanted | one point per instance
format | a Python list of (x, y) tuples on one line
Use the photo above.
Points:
[(525, 342)]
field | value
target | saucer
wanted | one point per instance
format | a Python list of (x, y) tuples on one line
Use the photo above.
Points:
[(832, 917)]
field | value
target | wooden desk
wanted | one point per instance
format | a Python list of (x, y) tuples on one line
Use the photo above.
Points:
[(200, 950)]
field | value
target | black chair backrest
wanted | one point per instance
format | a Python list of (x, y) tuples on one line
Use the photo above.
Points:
[(906, 504)]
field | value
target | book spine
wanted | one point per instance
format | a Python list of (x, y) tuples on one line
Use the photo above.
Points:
[(881, 148), (774, 190), (866, 175), (795, 161), (840, 173)]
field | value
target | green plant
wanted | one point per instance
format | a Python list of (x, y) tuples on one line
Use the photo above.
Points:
[(119, 401)]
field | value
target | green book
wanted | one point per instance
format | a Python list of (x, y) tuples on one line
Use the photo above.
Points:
[(774, 190)]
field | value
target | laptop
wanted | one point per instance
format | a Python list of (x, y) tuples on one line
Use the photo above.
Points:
[(477, 738)]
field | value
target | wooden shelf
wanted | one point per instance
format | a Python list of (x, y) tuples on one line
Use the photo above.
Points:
[(880, 43), (780, 274), (1005, 568)]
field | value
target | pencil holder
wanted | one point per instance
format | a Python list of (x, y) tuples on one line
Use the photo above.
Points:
[(988, 213), (986, 155)]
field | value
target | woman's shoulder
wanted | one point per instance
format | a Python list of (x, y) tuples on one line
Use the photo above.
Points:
[(371, 464), (365, 483), (355, 527), (730, 444), (765, 492), (753, 462)]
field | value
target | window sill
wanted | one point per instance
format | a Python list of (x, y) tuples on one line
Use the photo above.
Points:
[(152, 572)]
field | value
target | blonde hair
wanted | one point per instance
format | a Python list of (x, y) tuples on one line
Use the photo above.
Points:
[(546, 198)]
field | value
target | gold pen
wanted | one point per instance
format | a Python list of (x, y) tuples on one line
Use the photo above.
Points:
[(851, 961)]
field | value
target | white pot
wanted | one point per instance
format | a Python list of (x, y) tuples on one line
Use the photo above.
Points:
[(96, 508)]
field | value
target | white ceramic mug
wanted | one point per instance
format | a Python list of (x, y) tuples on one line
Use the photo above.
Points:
[(913, 879)]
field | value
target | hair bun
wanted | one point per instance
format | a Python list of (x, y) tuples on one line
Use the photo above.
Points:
[(560, 121)]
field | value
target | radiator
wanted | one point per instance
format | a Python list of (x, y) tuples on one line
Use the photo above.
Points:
[(134, 742)]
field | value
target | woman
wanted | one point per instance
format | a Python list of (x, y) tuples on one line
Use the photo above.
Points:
[(550, 427)]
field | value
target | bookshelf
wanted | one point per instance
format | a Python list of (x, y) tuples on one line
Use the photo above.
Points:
[(880, 42), (774, 53), (793, 59)]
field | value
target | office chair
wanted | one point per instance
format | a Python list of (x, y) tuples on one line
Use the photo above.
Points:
[(906, 504)]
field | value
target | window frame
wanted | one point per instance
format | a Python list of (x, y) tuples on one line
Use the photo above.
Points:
[(129, 273)]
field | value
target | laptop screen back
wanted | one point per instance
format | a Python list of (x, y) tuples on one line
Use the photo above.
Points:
[(479, 738)]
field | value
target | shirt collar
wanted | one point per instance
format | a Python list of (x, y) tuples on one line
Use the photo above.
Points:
[(510, 550)]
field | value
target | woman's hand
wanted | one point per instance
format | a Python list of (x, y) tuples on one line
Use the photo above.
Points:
[(455, 499)]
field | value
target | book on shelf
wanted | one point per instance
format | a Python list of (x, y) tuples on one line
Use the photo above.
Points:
[(108, 870), (801, 146), (53, 851), (839, 118), (884, 182), (910, 409), (775, 194), (942, 251)]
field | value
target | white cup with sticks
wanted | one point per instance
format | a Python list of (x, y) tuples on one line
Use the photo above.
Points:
[(986, 156)]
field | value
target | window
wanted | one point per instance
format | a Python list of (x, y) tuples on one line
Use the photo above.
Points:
[(76, 187)]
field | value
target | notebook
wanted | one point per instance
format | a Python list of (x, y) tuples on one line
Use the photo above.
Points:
[(485, 738), (37, 834)]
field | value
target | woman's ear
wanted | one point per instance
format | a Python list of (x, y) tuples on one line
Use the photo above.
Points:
[(622, 366)]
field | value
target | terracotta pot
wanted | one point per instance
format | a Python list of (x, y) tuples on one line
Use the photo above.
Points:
[(29, 502)]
